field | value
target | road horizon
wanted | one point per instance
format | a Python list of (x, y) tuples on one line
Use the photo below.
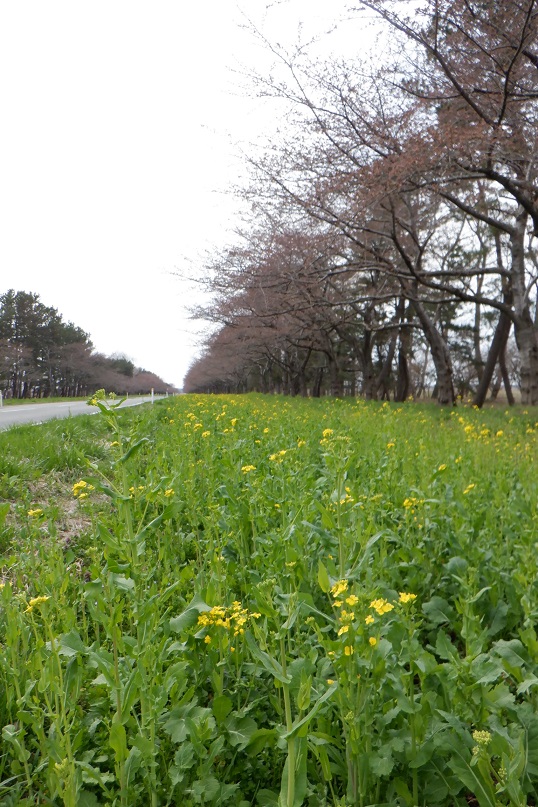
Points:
[(35, 414)]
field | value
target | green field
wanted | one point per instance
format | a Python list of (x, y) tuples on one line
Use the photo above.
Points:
[(265, 601)]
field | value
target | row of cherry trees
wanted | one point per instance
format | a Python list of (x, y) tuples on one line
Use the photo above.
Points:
[(391, 243), (43, 356)]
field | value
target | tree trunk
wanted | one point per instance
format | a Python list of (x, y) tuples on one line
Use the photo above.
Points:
[(506, 378), (498, 345), (524, 327), (440, 356)]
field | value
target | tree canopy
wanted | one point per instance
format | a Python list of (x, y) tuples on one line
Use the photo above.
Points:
[(43, 356), (391, 240)]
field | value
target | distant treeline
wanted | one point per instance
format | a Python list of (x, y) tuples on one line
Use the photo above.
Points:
[(43, 356)]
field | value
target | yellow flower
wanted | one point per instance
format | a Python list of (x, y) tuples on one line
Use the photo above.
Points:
[(327, 433), (349, 650), (369, 620), (330, 681), (169, 492), (391, 445), (206, 434), (381, 606), (34, 602), (207, 639), (343, 629), (35, 513), (247, 468), (469, 488), (442, 467), (300, 443), (339, 588), (373, 641), (405, 597), (352, 600), (499, 433), (114, 443)]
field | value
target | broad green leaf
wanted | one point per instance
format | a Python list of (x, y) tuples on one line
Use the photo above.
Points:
[(267, 798), (118, 741), (71, 644), (438, 611), (240, 731), (471, 777), (323, 578), (221, 706), (299, 774), (189, 617), (268, 662)]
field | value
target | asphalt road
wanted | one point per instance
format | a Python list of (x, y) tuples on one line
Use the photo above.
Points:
[(39, 413)]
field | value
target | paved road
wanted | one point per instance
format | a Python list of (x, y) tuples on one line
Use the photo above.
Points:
[(38, 413)]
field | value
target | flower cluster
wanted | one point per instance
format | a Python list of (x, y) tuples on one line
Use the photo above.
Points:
[(35, 601), (381, 606), (232, 618), (81, 489)]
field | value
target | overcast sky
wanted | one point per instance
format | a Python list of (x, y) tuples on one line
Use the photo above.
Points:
[(119, 120)]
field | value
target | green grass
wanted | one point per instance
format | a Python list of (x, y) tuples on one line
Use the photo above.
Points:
[(263, 601)]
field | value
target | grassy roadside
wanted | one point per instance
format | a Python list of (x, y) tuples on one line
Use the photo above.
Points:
[(258, 601)]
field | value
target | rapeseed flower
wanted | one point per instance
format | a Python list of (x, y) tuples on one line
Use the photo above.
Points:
[(35, 601), (381, 606), (339, 588), (247, 468), (35, 513), (405, 597)]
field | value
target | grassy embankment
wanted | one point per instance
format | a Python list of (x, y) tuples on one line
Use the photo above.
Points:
[(257, 601)]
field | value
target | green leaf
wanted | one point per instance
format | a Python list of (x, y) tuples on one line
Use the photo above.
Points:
[(481, 787), (240, 731), (132, 450), (189, 617), (299, 775), (130, 695), (438, 611), (86, 798), (381, 763), (323, 578), (118, 741), (268, 662), (119, 581), (4, 510), (511, 651), (221, 707), (313, 711), (259, 740), (267, 798), (71, 644)]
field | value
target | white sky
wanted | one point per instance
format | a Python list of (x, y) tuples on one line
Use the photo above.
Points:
[(118, 124)]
